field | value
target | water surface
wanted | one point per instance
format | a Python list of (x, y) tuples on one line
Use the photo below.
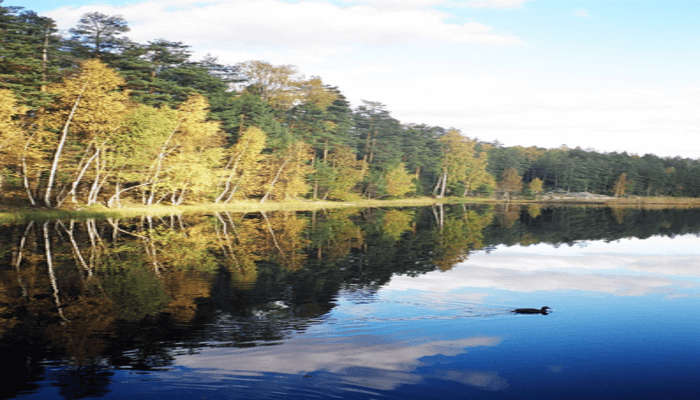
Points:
[(371, 303)]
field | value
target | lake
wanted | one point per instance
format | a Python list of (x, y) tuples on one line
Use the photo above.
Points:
[(370, 303)]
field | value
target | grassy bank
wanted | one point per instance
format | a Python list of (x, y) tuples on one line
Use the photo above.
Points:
[(24, 214), (643, 202)]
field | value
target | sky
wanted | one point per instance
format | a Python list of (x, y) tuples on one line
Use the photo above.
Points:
[(608, 75)]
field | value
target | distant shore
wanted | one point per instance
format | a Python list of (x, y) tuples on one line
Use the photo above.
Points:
[(21, 214)]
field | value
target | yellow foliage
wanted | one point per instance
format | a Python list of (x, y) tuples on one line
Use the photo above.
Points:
[(535, 186), (399, 181), (461, 163), (102, 104), (247, 157), (294, 164), (280, 86), (348, 172), (620, 185), (12, 137), (511, 182), (197, 149)]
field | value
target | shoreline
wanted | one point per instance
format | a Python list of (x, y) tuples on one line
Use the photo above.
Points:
[(21, 214)]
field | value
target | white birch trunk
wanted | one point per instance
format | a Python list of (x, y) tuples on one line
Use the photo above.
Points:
[(274, 181), (59, 148)]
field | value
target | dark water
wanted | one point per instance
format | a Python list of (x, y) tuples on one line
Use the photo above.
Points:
[(397, 303)]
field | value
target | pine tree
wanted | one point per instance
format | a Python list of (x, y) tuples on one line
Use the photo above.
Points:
[(99, 36)]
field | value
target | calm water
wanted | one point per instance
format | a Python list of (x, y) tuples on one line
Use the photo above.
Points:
[(397, 303)]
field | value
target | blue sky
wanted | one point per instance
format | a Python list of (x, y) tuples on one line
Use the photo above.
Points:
[(611, 75)]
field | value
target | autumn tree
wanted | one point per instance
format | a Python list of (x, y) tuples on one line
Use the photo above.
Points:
[(282, 87), (476, 175), (510, 183), (535, 186), (398, 181), (91, 106), (620, 185), (460, 164), (242, 171), (287, 171), (341, 174), (136, 148), (190, 156)]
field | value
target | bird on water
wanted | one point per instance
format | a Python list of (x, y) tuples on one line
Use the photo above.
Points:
[(544, 310)]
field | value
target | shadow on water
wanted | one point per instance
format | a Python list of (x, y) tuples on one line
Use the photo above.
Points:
[(81, 300)]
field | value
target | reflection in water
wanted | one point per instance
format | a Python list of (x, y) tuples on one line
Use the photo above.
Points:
[(385, 365), (337, 292)]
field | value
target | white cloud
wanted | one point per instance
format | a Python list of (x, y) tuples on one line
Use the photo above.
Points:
[(279, 24), (581, 12), (496, 3)]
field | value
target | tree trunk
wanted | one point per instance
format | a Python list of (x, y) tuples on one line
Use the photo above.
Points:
[(118, 192), (368, 140), (159, 164), (437, 186), (25, 179), (444, 184), (274, 181), (76, 182), (467, 186), (44, 60), (315, 191), (59, 148), (95, 183), (181, 198), (233, 172)]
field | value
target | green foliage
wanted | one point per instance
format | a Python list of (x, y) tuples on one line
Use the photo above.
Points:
[(98, 35), (25, 39)]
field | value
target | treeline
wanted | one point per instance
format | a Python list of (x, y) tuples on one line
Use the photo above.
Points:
[(95, 118)]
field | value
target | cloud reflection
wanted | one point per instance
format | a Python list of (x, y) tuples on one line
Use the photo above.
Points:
[(365, 361), (641, 269)]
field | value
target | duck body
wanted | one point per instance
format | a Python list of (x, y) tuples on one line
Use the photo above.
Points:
[(544, 310)]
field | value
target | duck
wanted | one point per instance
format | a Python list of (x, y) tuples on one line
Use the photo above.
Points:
[(544, 310)]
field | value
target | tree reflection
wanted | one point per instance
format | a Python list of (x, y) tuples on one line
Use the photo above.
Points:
[(125, 293)]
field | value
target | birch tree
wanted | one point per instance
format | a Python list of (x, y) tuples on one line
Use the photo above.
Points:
[(91, 107)]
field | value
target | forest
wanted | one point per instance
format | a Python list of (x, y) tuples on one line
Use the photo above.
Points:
[(94, 118)]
